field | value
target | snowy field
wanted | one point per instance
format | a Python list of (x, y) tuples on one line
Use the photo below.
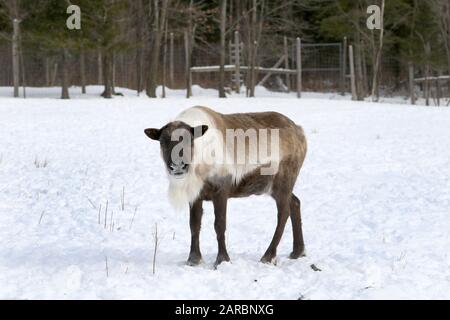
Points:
[(375, 190)]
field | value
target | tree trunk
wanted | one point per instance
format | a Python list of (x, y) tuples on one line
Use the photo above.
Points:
[(299, 67), (83, 71), (427, 73), (365, 81), (223, 19), (171, 65), (24, 81), (188, 45), (164, 66), (253, 50), (187, 51), (16, 57), (158, 29), (376, 69), (359, 75), (139, 67), (352, 73), (47, 72), (106, 59), (54, 75), (64, 76), (139, 45), (100, 67), (411, 82), (113, 73)]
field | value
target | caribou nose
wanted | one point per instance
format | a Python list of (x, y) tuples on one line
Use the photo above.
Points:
[(178, 169)]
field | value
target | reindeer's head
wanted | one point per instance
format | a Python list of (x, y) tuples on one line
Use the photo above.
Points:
[(177, 143)]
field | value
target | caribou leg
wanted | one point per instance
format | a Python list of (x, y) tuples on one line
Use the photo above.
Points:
[(220, 212), (195, 221), (299, 245), (283, 207)]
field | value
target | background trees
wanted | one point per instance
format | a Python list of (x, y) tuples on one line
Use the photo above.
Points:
[(129, 42)]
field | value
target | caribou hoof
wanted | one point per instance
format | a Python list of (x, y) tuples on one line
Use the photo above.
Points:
[(297, 254), (269, 260), (194, 260), (221, 258)]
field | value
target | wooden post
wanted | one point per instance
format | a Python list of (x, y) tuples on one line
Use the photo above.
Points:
[(343, 66), (171, 66), (299, 67), (16, 57), (188, 65), (237, 62), (412, 93), (352, 72), (286, 62)]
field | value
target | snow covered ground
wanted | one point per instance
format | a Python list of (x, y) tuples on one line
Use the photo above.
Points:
[(375, 190)]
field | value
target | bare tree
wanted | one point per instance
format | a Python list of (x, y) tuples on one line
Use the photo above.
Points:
[(159, 15), (83, 70), (140, 33), (12, 13), (441, 9), (223, 23), (64, 75), (376, 69)]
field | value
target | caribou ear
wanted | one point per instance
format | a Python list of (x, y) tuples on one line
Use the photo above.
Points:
[(199, 131), (153, 134)]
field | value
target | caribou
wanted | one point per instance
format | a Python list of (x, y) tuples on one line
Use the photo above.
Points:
[(210, 156)]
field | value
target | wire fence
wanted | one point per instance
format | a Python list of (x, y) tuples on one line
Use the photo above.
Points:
[(324, 67)]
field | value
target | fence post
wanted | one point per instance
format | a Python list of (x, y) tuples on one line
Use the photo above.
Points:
[(237, 62), (171, 61), (352, 72), (343, 65), (286, 62), (299, 67)]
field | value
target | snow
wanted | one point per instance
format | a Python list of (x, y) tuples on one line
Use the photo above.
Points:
[(375, 191)]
